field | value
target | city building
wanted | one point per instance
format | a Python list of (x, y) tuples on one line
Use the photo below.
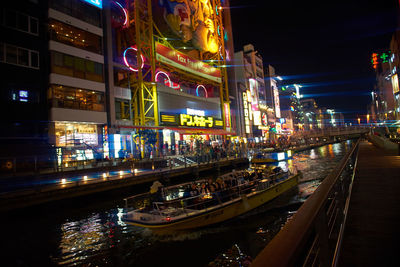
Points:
[(77, 82), (252, 99), (23, 95), (289, 96), (167, 81)]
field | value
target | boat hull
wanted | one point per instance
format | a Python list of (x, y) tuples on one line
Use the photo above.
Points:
[(215, 215)]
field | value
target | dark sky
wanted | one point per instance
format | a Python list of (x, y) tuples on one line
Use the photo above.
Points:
[(325, 46)]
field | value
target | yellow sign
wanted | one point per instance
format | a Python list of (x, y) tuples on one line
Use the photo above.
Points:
[(196, 121), (395, 83)]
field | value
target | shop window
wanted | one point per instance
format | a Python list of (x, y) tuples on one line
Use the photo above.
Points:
[(76, 37), (75, 134), (76, 98)]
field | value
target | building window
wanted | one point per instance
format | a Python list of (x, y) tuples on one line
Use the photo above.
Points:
[(122, 111), (19, 56), (120, 78), (11, 54), (76, 98), (76, 67), (70, 35), (79, 10), (20, 21)]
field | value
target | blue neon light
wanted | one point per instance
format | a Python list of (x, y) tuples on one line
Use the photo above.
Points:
[(97, 3)]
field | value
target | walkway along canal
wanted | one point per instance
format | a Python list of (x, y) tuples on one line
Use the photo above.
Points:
[(90, 229)]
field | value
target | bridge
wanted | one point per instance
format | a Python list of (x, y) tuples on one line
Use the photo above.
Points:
[(334, 132), (352, 219)]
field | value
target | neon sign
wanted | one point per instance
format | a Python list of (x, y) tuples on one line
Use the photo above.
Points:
[(97, 3), (246, 113), (126, 59), (196, 121), (374, 60), (124, 11), (204, 89)]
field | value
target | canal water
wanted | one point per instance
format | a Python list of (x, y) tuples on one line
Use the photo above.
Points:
[(90, 232)]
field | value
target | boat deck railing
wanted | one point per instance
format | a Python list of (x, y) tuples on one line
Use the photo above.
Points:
[(313, 236), (190, 205)]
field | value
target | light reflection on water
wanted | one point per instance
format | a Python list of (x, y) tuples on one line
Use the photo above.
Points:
[(103, 239)]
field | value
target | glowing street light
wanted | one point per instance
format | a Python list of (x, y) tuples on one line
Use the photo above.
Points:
[(359, 121)]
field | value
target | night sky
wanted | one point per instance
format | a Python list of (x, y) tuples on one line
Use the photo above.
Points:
[(325, 46)]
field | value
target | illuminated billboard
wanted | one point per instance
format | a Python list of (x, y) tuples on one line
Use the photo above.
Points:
[(193, 21), (96, 3), (184, 62)]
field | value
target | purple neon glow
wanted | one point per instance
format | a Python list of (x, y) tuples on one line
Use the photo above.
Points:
[(201, 86), (165, 74), (125, 13), (126, 61)]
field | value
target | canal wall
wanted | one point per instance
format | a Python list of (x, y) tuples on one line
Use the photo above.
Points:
[(46, 194)]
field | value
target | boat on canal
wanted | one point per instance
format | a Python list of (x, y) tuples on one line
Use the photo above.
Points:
[(174, 210), (262, 157)]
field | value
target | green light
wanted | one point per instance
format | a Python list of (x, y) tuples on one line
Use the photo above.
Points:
[(384, 58)]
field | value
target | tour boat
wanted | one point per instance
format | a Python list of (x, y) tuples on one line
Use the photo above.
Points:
[(271, 157), (176, 211)]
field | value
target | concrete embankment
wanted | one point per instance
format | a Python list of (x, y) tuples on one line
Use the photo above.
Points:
[(45, 194)]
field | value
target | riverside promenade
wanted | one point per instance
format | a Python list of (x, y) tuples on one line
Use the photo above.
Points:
[(97, 182), (372, 231)]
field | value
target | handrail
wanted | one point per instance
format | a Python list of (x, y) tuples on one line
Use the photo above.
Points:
[(307, 233)]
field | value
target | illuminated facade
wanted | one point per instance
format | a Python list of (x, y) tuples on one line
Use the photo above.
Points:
[(251, 94), (77, 90), (394, 63), (167, 57)]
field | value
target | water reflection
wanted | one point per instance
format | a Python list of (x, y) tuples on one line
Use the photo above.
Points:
[(103, 239), (80, 237)]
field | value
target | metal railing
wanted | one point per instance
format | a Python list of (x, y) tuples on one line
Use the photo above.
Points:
[(312, 237)]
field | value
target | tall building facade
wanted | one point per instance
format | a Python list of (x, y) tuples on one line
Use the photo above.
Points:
[(252, 99), (77, 84), (24, 68)]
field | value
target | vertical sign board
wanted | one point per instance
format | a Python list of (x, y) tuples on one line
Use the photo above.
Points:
[(277, 105), (227, 116), (246, 113), (395, 84)]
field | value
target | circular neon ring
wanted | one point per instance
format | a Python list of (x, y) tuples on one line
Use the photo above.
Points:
[(125, 13), (201, 86), (126, 61), (161, 72)]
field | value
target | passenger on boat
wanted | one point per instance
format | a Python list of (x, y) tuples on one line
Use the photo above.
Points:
[(155, 192)]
